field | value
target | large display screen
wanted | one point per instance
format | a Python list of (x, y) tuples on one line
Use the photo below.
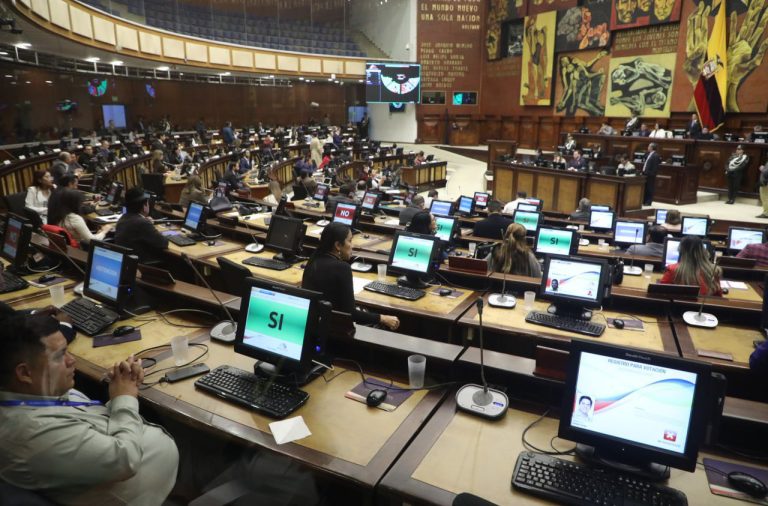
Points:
[(642, 403), (114, 113), (573, 279), (392, 82), (412, 253), (276, 322), (105, 272), (554, 241)]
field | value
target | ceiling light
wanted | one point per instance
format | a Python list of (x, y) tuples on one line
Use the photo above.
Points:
[(8, 75), (49, 82), (28, 82), (117, 62), (359, 80), (301, 79), (23, 45), (164, 68), (3, 53), (225, 74), (92, 59)]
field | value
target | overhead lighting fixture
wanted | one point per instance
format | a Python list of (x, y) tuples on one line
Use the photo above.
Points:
[(117, 62), (9, 75), (49, 82), (23, 45), (225, 74), (301, 79), (28, 82), (93, 59), (3, 53), (164, 68)]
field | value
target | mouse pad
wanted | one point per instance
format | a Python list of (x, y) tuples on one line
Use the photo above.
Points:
[(109, 339), (718, 484), (455, 294), (394, 397), (629, 323)]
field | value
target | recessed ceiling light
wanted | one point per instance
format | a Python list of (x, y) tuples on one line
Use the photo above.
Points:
[(28, 82), (23, 45), (117, 62), (49, 82), (3, 53), (8, 75), (163, 68), (93, 59)]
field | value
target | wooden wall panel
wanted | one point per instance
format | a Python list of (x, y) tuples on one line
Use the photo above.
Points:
[(127, 38), (502, 185), (81, 22), (59, 13), (103, 30), (173, 48)]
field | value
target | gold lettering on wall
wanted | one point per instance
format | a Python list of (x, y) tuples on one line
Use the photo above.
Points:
[(657, 39)]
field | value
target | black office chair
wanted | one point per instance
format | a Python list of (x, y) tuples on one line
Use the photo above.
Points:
[(15, 202), (154, 183), (234, 275), (299, 192)]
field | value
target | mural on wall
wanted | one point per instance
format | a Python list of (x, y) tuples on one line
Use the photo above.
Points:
[(512, 33), (641, 86), (538, 52), (580, 89), (747, 45), (633, 13), (538, 6), (583, 27), (496, 33)]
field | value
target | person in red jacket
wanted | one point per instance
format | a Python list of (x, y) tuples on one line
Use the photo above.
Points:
[(694, 268)]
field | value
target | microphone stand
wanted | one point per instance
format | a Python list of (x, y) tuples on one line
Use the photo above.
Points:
[(223, 331), (255, 246), (631, 270), (699, 318), (501, 300)]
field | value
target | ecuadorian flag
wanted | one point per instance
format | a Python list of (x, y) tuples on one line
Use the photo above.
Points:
[(711, 89)]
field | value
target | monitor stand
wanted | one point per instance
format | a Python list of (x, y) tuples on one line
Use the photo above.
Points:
[(647, 470), (568, 311), (288, 258), (412, 281), (138, 302), (297, 378)]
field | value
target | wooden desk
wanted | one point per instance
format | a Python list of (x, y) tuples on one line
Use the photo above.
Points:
[(290, 276), (560, 190), (676, 184), (624, 194), (457, 452), (426, 175), (201, 250), (173, 187), (30, 292)]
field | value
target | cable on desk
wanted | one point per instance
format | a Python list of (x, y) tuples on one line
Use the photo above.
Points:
[(445, 280), (528, 446), (30, 269), (752, 456), (162, 316), (144, 386)]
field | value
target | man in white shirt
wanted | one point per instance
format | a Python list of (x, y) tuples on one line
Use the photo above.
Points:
[(511, 206)]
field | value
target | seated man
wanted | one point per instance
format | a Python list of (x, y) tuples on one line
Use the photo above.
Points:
[(417, 205), (511, 206), (494, 226), (579, 163), (606, 129), (759, 252), (655, 245), (65, 446), (624, 163), (582, 213), (135, 229)]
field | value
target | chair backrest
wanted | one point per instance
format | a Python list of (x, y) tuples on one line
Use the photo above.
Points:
[(299, 192), (15, 202), (234, 275), (15, 496), (55, 233), (154, 183)]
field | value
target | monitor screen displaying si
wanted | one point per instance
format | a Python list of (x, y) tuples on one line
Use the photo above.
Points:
[(629, 232), (530, 220), (445, 227), (345, 214), (694, 225), (738, 237), (481, 200), (441, 208), (413, 253), (555, 241), (466, 205), (601, 220)]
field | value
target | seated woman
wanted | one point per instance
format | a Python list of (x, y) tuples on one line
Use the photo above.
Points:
[(694, 268), (674, 221), (275, 193), (66, 214), (193, 192), (39, 193), (156, 165), (328, 271), (513, 255), (423, 223)]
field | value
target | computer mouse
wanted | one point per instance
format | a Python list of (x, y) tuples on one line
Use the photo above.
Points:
[(46, 278), (375, 397), (366, 236), (211, 242), (742, 482), (618, 323), (123, 330), (457, 253), (725, 291), (445, 291)]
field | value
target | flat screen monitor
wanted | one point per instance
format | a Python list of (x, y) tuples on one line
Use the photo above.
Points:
[(322, 192), (695, 225), (465, 98), (599, 207), (414, 256), (409, 197), (445, 228), (110, 275), (671, 253), (194, 220), (528, 219), (627, 232), (392, 82), (601, 220), (661, 216), (371, 201), (759, 137), (556, 241), (18, 233), (652, 411), (285, 235), (466, 205), (534, 200), (739, 237), (114, 193), (441, 208), (481, 200), (573, 283), (346, 214), (525, 206), (279, 325), (114, 113)]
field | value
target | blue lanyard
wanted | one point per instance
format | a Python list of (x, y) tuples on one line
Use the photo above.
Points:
[(44, 404)]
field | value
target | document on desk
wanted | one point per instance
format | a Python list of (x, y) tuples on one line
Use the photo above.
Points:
[(737, 285), (289, 430), (358, 284), (392, 221)]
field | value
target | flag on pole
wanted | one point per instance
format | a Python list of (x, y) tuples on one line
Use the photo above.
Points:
[(710, 90)]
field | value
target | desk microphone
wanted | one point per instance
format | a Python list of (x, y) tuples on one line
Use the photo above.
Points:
[(223, 331), (480, 400), (631, 270), (80, 286), (255, 246), (698, 318), (501, 299)]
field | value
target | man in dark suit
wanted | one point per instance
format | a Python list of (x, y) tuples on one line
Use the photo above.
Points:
[(650, 169), (694, 127), (494, 225), (579, 163), (135, 229), (417, 205)]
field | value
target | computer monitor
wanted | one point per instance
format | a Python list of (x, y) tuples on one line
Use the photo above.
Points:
[(573, 284), (739, 237), (556, 241), (114, 193), (695, 225), (466, 206), (281, 325), (588, 152), (600, 207), (525, 206), (285, 235), (194, 220), (671, 252), (626, 232), (481, 200), (601, 220), (347, 214), (678, 160), (760, 137), (651, 414), (441, 208), (321, 192), (528, 219), (413, 255), (661, 216), (110, 278), (533, 200), (18, 233), (446, 227), (638, 156), (371, 201)]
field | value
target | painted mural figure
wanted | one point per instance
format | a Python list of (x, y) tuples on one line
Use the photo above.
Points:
[(581, 85), (639, 85), (536, 38)]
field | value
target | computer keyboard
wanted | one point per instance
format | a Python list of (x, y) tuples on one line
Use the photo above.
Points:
[(572, 483), (181, 240), (395, 290), (566, 323), (12, 283), (88, 317), (106, 212), (267, 263), (260, 394)]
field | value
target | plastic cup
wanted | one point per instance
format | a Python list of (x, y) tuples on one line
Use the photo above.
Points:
[(382, 270), (528, 299), (472, 248), (648, 270), (417, 366), (180, 349), (57, 294)]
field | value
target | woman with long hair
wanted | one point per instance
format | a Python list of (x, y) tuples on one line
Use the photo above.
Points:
[(694, 268), (66, 214), (328, 271), (513, 256), (193, 191), (422, 223), (39, 193)]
